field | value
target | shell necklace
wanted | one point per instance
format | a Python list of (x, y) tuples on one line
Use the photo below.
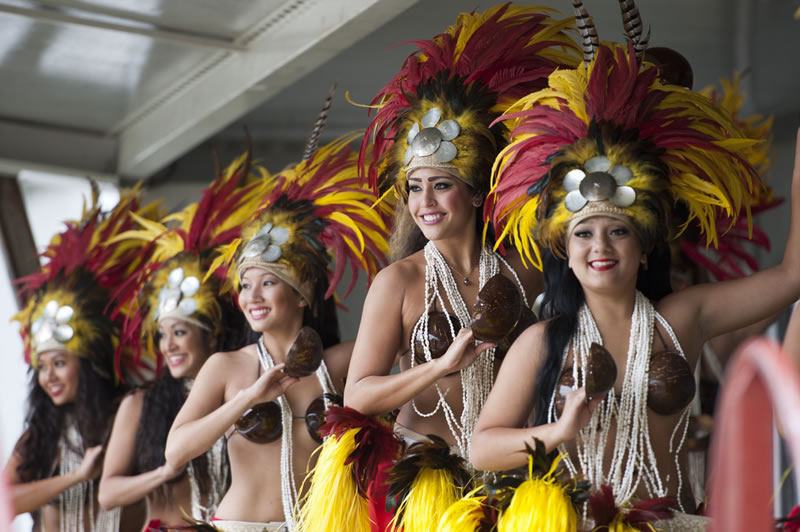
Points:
[(477, 378), (288, 484), (633, 459), (73, 501)]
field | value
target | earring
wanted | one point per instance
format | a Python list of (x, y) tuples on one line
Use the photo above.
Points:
[(477, 202), (644, 264)]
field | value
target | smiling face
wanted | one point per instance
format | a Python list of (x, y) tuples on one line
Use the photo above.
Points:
[(442, 205), (604, 253), (185, 347), (58, 376), (268, 303)]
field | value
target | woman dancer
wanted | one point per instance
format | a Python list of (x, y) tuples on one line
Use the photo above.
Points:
[(602, 205), (315, 216), (70, 343), (182, 319), (432, 147)]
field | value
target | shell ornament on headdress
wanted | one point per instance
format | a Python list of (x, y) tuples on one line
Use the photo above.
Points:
[(71, 296), (177, 281), (316, 219), (436, 112), (609, 138)]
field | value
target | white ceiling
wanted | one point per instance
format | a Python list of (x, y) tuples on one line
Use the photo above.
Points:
[(134, 88)]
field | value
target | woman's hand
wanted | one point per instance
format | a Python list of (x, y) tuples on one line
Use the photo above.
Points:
[(271, 384), (92, 463), (461, 353), (576, 414)]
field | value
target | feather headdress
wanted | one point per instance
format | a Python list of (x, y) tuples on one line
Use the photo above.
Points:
[(71, 294), (177, 281), (437, 111), (731, 258), (609, 138), (730, 97), (316, 220)]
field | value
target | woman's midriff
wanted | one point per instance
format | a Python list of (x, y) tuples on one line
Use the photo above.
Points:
[(180, 502), (426, 402), (255, 491), (661, 428)]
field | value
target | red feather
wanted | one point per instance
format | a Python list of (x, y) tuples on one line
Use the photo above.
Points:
[(498, 55), (376, 443)]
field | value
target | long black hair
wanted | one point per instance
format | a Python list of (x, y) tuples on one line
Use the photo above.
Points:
[(321, 316), (162, 401), (164, 398), (92, 410), (563, 298)]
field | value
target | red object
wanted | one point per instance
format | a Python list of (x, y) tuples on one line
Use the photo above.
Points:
[(379, 516), (793, 521), (760, 377)]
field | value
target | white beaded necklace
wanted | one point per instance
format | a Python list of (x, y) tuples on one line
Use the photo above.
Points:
[(477, 378), (633, 458), (288, 484), (73, 500)]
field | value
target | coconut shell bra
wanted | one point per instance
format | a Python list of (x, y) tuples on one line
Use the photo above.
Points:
[(670, 387), (262, 423)]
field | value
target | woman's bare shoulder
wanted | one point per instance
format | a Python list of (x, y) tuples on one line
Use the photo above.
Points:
[(403, 270), (133, 401), (230, 360)]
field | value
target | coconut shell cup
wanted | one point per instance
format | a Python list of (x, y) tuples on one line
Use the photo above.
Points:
[(564, 386), (497, 309), (526, 319), (601, 372), (671, 386), (315, 418), (439, 336), (305, 354), (262, 423)]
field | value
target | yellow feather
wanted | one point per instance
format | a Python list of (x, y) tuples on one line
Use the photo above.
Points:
[(345, 220), (332, 501), (431, 493)]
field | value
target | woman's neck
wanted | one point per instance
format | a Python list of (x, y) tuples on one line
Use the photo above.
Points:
[(462, 254), (279, 342), (616, 307)]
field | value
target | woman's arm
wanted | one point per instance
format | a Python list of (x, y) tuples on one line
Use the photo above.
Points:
[(499, 437), (370, 388), (205, 416), (117, 486), (712, 309), (30, 496)]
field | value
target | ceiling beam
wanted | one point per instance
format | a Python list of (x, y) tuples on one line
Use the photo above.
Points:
[(159, 34), (282, 48), (56, 150)]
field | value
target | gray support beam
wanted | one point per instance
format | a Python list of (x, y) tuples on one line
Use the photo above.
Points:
[(65, 151), (281, 49), (168, 35), (16, 238)]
